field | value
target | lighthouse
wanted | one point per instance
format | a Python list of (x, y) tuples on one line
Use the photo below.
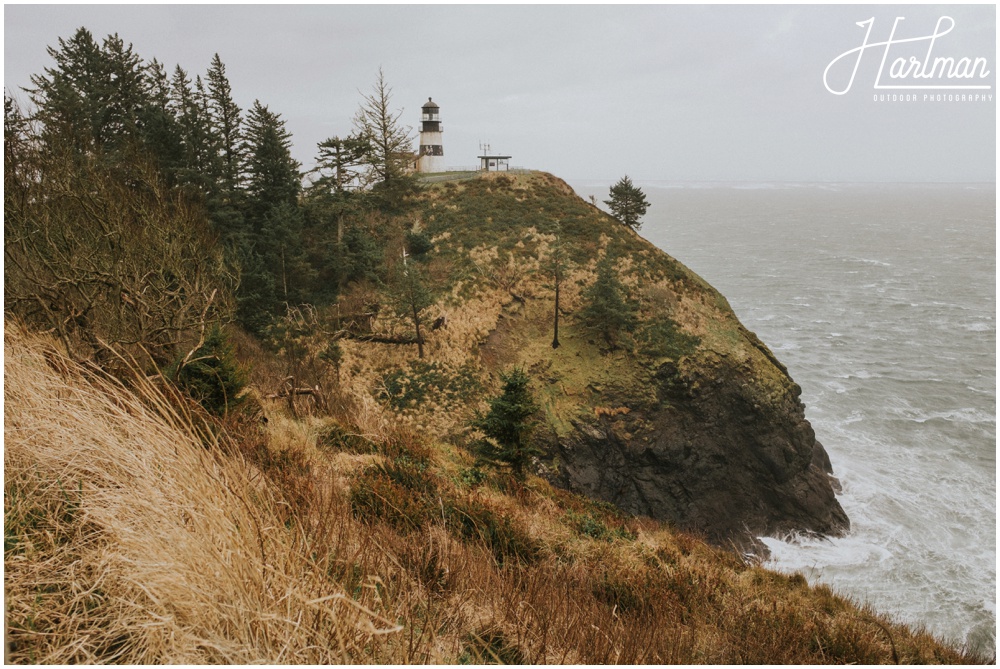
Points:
[(431, 148)]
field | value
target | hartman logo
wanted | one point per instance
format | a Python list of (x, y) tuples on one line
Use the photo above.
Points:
[(920, 63)]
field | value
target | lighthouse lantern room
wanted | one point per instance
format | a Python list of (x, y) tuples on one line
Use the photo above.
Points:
[(431, 147)]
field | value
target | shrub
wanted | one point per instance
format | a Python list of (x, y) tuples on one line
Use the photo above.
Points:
[(418, 243), (589, 525), (662, 338), (436, 383), (402, 493), (472, 477), (472, 519), (211, 375)]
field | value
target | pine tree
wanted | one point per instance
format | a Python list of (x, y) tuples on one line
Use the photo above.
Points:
[(211, 374), (508, 425), (189, 105), (280, 245), (271, 242), (389, 143), (628, 203), (124, 91), (226, 122), (410, 295), (606, 309), (339, 162), (93, 94), (160, 130), (557, 265), (272, 175)]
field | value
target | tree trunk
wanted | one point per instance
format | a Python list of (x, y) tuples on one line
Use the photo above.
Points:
[(555, 317), (420, 340)]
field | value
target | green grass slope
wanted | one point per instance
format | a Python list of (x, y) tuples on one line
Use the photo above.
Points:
[(671, 398)]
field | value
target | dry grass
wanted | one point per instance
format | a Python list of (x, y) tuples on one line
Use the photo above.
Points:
[(132, 536), (128, 540)]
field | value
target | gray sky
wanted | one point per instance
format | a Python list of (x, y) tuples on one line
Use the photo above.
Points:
[(688, 93)]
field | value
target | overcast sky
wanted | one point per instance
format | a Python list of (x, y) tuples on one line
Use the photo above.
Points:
[(686, 93)]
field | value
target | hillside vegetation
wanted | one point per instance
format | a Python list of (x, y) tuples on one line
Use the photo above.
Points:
[(247, 414), (677, 412), (139, 531)]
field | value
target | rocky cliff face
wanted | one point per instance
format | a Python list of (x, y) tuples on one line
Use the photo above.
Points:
[(707, 457), (692, 420)]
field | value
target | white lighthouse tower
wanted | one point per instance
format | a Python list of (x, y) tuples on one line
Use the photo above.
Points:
[(431, 147)]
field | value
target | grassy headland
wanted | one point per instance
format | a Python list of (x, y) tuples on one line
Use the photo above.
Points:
[(141, 529)]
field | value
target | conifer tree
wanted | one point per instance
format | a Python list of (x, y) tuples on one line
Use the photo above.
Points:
[(226, 122), (272, 175), (388, 141), (606, 309), (124, 91), (160, 130), (508, 425), (211, 374), (271, 243), (628, 203), (557, 265), (93, 94), (339, 162), (189, 104), (410, 296)]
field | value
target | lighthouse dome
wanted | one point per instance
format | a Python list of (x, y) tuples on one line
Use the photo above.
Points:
[(430, 104)]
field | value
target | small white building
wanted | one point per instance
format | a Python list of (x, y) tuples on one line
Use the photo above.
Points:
[(490, 163), (431, 157)]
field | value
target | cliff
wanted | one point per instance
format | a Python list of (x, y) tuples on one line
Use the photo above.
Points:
[(139, 532), (691, 420)]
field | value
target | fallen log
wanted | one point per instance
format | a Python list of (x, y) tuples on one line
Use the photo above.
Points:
[(381, 339), (285, 392)]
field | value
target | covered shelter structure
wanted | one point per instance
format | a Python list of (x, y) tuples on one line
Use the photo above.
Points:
[(488, 163)]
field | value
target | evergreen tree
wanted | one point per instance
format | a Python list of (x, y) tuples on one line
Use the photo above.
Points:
[(211, 374), (189, 105), (271, 243), (389, 144), (363, 253), (280, 246), (410, 296), (557, 265), (272, 175), (328, 203), (256, 296), (225, 121), (339, 162), (124, 92), (93, 94), (606, 309), (508, 425), (18, 179), (160, 130), (628, 203)]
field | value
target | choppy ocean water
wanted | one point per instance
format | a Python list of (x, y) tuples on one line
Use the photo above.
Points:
[(881, 301)]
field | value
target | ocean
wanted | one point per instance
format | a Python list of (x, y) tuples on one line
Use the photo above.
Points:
[(881, 301)]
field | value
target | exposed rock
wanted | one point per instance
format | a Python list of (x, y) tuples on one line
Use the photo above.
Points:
[(709, 458), (693, 420)]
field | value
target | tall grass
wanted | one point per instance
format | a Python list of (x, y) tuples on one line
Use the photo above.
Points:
[(137, 531), (128, 540)]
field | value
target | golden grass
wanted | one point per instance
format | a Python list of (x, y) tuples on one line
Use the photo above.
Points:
[(133, 542), (132, 536)]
